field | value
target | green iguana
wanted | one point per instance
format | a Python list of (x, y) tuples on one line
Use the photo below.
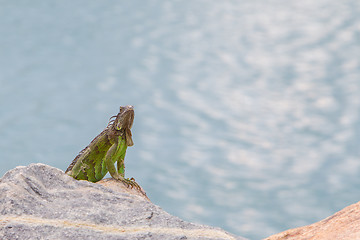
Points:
[(99, 157)]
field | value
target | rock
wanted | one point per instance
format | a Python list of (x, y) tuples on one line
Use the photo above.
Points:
[(343, 225), (41, 202)]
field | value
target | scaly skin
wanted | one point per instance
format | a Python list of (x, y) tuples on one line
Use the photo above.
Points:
[(99, 157)]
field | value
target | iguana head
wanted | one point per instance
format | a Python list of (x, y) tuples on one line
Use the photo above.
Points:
[(124, 121)]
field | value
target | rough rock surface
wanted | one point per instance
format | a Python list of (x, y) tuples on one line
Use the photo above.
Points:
[(344, 225), (41, 202)]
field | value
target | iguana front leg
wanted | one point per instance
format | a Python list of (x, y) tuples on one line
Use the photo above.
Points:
[(121, 165), (111, 153)]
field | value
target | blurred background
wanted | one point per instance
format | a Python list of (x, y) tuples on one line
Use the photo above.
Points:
[(247, 113)]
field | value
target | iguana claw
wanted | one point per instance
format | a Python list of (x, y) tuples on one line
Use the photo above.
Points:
[(131, 182)]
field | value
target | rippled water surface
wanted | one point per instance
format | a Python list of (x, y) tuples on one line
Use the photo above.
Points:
[(247, 112)]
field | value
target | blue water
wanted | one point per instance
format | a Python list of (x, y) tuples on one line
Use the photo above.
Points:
[(247, 113)]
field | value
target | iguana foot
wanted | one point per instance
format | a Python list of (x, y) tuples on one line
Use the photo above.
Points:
[(131, 183)]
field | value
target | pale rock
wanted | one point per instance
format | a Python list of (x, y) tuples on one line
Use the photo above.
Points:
[(42, 202)]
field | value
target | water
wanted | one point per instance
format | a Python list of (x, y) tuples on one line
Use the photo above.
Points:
[(246, 112)]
